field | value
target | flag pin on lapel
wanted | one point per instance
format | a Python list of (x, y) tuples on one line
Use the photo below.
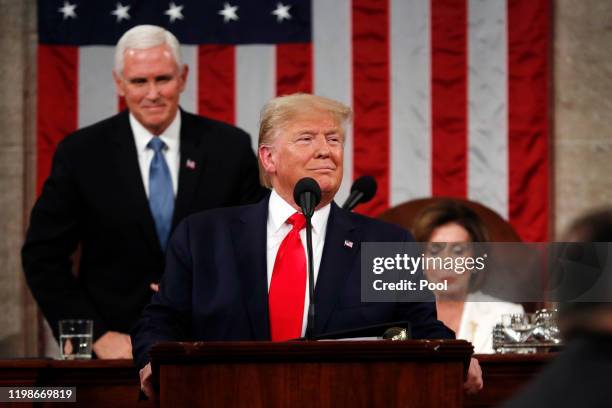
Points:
[(190, 164), (348, 244)]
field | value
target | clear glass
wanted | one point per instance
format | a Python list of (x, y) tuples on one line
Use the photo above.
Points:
[(75, 339)]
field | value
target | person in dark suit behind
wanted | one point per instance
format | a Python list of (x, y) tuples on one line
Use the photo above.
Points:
[(117, 188), (580, 375), (240, 273)]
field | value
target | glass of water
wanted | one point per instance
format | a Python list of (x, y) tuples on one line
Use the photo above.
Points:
[(75, 339)]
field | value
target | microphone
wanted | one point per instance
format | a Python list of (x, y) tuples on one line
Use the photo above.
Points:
[(362, 191), (307, 194)]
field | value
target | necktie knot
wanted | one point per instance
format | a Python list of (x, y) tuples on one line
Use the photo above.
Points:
[(156, 144), (297, 220)]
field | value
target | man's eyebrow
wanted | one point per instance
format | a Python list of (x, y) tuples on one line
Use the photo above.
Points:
[(316, 130)]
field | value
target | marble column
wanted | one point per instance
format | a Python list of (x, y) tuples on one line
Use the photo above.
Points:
[(582, 108), (19, 319)]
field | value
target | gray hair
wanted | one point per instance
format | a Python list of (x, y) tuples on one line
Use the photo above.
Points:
[(279, 111), (146, 36)]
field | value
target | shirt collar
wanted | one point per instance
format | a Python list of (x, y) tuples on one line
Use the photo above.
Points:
[(280, 210), (170, 136)]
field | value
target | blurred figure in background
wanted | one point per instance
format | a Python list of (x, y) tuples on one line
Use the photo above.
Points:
[(470, 313), (580, 375)]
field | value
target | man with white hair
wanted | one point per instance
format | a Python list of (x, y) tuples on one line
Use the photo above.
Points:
[(118, 188), (240, 273)]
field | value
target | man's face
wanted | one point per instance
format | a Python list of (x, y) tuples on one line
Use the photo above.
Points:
[(309, 146), (151, 83)]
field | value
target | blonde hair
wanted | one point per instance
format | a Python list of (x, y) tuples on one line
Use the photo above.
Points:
[(281, 110)]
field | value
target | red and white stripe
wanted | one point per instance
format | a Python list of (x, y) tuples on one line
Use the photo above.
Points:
[(450, 96)]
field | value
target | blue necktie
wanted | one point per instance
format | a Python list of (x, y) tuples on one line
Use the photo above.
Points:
[(161, 195)]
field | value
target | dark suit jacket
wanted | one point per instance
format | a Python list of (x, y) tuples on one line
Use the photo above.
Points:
[(215, 284), (578, 377), (95, 198)]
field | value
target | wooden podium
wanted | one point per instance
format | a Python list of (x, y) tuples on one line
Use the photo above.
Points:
[(414, 373)]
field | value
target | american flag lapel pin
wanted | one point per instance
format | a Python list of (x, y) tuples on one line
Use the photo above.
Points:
[(348, 244), (190, 164)]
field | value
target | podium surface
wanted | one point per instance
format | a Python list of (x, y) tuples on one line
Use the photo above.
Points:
[(412, 373)]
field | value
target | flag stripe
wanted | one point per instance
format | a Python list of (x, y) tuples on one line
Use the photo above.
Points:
[(332, 67), (371, 97), (410, 101), (528, 72), (96, 92), (255, 85), (488, 104), (189, 97), (293, 68), (449, 97), (216, 82), (57, 102)]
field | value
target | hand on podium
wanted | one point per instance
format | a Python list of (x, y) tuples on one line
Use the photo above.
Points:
[(474, 381), (113, 345), (146, 385)]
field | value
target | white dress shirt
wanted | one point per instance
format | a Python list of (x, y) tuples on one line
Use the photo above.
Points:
[(170, 136), (278, 212)]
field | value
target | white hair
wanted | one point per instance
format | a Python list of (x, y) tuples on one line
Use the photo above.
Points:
[(143, 37)]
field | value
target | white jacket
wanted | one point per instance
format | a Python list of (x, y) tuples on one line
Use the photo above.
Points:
[(480, 313)]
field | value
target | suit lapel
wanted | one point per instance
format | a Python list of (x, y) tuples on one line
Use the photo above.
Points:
[(249, 234), (192, 161), (336, 263), (132, 189)]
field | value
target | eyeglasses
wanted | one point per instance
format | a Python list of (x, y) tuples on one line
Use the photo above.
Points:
[(449, 248)]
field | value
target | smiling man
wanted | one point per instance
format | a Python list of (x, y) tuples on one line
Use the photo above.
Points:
[(118, 188), (240, 273)]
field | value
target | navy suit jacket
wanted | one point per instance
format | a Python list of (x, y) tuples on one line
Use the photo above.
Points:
[(215, 284)]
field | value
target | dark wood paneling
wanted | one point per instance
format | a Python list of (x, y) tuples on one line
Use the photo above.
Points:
[(254, 382), (99, 383), (312, 374), (504, 375)]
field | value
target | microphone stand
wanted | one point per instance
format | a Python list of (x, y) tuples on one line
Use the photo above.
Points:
[(307, 194), (352, 201), (311, 306)]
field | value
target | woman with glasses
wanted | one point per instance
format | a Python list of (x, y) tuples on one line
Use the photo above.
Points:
[(454, 235)]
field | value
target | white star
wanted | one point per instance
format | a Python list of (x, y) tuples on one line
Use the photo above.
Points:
[(121, 12), (282, 12), (68, 10), (174, 12), (229, 13)]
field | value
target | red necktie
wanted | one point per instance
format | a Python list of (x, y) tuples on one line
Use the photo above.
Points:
[(288, 285)]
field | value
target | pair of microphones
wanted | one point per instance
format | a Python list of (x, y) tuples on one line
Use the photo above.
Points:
[(307, 194), (308, 191)]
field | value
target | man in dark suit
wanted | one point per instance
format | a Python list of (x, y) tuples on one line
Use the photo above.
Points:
[(240, 273), (117, 188)]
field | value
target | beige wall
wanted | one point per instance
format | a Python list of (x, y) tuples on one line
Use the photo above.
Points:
[(18, 322), (582, 106)]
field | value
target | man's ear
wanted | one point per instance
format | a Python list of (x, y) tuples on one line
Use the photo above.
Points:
[(183, 76), (266, 158), (118, 83)]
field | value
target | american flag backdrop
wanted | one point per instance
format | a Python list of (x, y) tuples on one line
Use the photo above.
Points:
[(450, 96)]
